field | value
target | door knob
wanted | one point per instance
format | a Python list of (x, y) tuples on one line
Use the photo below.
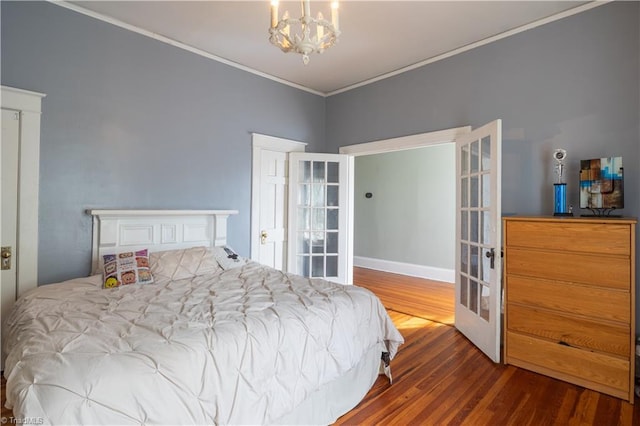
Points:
[(263, 237), (492, 256), (5, 253)]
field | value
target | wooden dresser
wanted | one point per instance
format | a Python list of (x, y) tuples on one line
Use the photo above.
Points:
[(570, 300)]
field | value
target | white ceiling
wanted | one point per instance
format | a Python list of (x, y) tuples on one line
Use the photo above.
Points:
[(378, 37)]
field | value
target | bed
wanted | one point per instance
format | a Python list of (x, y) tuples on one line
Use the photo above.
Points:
[(214, 339)]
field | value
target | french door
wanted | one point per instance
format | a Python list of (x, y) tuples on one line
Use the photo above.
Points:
[(320, 216), (478, 237)]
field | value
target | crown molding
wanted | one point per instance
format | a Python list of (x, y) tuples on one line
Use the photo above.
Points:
[(514, 31), (175, 43), (178, 44)]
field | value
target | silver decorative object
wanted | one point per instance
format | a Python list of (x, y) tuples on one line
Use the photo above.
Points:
[(559, 155)]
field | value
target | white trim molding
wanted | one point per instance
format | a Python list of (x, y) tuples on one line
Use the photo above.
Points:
[(178, 44), (274, 143), (410, 269), (79, 9), (406, 142), (570, 12), (29, 105)]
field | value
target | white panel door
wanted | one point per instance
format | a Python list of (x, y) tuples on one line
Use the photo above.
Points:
[(9, 170), (273, 204), (321, 216), (479, 236), (269, 198)]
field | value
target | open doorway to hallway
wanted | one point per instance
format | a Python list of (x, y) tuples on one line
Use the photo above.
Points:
[(402, 193), (404, 228), (404, 212)]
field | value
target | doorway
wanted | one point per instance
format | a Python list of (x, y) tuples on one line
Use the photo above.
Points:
[(301, 211), (405, 212), (402, 145), (269, 198), (261, 236), (398, 194), (21, 111)]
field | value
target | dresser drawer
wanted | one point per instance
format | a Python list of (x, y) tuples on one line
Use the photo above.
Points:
[(604, 373), (571, 330), (603, 271), (602, 238), (594, 302)]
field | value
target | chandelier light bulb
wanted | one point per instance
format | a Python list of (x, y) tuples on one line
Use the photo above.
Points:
[(274, 13), (334, 15)]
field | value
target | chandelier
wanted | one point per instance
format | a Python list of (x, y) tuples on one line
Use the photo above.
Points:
[(306, 34)]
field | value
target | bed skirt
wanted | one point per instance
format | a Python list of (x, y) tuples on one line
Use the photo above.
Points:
[(333, 399)]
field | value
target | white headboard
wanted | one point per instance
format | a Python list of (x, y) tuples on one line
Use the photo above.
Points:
[(157, 230)]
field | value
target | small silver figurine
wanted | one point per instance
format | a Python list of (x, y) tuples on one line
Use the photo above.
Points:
[(559, 155)]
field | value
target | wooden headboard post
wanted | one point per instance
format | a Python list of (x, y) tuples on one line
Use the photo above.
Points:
[(157, 230)]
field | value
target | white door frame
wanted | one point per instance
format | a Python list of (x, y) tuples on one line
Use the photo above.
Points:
[(270, 143), (29, 105), (273, 143), (421, 140), (405, 142)]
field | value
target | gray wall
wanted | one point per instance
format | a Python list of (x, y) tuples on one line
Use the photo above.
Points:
[(573, 83), (130, 122), (417, 186)]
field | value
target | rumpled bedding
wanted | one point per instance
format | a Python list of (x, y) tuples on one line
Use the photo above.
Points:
[(242, 346)]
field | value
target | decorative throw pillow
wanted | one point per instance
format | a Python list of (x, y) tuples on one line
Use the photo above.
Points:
[(228, 258), (183, 263), (127, 268)]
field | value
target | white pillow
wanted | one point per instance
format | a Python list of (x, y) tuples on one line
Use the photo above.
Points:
[(183, 264), (227, 258)]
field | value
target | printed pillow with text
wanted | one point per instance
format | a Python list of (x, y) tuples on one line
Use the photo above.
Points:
[(127, 268)]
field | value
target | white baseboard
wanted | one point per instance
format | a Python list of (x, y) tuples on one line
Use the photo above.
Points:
[(421, 271)]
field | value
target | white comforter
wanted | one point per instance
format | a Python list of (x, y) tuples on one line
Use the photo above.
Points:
[(244, 346)]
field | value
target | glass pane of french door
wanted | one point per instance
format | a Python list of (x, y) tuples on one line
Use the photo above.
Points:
[(318, 220), (318, 208), (475, 241)]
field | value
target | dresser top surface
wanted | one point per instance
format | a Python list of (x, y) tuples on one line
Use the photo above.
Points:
[(574, 219)]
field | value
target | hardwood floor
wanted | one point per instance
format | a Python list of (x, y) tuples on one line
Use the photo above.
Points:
[(440, 378), (434, 299)]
